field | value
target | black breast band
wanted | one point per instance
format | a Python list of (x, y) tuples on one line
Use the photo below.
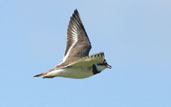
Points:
[(95, 71)]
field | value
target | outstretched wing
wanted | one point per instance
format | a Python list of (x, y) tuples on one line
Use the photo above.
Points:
[(78, 44), (88, 61)]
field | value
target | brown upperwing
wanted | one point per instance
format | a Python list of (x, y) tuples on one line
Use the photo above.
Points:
[(77, 30)]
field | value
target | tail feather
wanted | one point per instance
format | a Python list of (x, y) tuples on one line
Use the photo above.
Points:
[(40, 75), (48, 77)]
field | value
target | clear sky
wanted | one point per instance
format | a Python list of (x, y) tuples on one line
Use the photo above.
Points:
[(134, 34)]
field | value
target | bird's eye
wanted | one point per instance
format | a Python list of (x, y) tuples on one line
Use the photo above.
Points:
[(101, 64), (104, 61)]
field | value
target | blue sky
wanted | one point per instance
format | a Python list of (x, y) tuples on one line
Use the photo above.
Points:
[(134, 34)]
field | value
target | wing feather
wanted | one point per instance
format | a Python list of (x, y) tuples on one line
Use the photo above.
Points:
[(78, 44), (88, 61)]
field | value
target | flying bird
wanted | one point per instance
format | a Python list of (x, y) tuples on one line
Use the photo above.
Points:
[(76, 62)]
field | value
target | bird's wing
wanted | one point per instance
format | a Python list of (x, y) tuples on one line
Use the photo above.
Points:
[(78, 44), (88, 61)]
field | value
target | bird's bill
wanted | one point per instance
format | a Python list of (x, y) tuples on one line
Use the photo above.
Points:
[(108, 66)]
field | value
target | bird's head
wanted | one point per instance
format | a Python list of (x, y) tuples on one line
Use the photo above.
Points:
[(102, 66)]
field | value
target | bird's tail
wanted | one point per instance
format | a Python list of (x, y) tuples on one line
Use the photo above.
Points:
[(45, 75), (41, 75)]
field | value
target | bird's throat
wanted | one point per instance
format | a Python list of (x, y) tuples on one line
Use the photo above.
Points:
[(94, 70)]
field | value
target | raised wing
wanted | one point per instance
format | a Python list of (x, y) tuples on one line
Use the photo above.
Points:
[(78, 44), (88, 61)]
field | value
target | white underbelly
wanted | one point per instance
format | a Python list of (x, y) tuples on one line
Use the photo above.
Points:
[(71, 73)]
